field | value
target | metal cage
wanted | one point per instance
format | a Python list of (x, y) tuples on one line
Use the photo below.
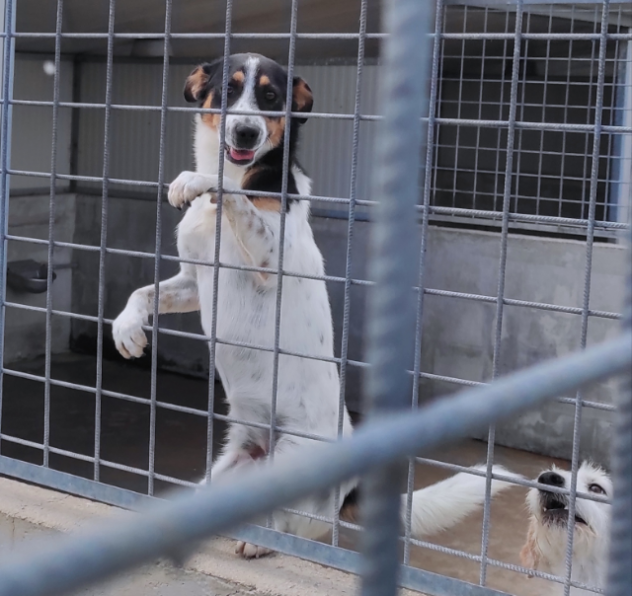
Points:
[(507, 224)]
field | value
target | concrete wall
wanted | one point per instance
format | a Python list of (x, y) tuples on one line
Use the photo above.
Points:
[(458, 334), (29, 205), (25, 331)]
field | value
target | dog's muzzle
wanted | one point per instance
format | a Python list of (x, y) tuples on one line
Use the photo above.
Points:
[(245, 140), (555, 506)]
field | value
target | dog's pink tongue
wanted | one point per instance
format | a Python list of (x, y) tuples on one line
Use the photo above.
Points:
[(242, 154)]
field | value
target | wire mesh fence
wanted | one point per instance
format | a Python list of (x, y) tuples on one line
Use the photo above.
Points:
[(522, 191)]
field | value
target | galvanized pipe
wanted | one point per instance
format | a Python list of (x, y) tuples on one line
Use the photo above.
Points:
[(70, 562), (394, 242)]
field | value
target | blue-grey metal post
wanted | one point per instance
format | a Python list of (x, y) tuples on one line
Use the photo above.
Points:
[(7, 62), (620, 570), (394, 242)]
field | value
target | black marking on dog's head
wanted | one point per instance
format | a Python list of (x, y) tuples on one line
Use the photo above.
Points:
[(253, 141)]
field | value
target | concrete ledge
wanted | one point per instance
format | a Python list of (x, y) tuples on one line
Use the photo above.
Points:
[(29, 512)]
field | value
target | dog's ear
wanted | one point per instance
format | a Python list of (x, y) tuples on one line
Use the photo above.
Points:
[(198, 79), (530, 553), (302, 98)]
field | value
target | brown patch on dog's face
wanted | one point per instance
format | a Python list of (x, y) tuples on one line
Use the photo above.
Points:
[(211, 120), (267, 204), (276, 130), (239, 77), (302, 98), (195, 83), (264, 80)]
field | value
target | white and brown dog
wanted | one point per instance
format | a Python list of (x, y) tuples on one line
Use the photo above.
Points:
[(308, 388), (545, 548)]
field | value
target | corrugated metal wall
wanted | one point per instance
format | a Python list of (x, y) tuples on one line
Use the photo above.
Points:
[(32, 125), (326, 149)]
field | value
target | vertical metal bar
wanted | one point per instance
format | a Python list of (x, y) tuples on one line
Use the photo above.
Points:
[(218, 238), (565, 143), (459, 103), (543, 133), (51, 231), (619, 569), (104, 235), (161, 180), (502, 270), (590, 235), (393, 267), (8, 62), (353, 191), (501, 103), (425, 174), (283, 211), (481, 99)]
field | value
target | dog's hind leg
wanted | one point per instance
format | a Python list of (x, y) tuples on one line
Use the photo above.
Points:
[(233, 462)]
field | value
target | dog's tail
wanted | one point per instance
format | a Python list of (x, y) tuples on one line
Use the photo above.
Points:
[(444, 504)]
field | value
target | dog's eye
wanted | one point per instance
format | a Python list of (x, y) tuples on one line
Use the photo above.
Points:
[(270, 95), (229, 90), (595, 488)]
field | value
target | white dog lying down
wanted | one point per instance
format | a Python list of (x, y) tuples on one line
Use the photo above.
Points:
[(307, 388), (545, 548)]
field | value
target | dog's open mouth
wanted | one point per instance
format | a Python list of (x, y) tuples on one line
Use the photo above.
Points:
[(556, 511), (239, 156)]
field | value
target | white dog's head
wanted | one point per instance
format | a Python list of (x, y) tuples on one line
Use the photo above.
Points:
[(548, 528)]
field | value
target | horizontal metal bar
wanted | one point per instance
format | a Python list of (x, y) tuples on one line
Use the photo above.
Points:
[(68, 483), (323, 36), (332, 556), (470, 213), (90, 459), (203, 413), (165, 527), (147, 402), (334, 360), (572, 310), (562, 126)]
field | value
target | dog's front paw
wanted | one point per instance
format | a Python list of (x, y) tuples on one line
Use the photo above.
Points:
[(128, 334), (251, 551), (188, 186)]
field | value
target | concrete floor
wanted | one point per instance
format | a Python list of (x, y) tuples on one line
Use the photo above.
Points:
[(181, 447)]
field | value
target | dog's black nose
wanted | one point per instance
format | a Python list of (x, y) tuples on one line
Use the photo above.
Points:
[(551, 478), (246, 137)]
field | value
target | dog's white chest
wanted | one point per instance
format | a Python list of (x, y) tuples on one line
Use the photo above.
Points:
[(307, 389)]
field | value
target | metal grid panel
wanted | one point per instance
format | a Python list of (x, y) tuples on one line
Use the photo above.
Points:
[(557, 85), (605, 162)]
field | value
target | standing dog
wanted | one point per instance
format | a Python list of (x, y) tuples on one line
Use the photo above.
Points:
[(307, 388), (548, 529)]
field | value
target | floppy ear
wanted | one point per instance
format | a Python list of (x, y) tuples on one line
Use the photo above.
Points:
[(302, 98), (530, 553), (197, 80)]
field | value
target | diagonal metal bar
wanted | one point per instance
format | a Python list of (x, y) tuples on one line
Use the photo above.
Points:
[(70, 562)]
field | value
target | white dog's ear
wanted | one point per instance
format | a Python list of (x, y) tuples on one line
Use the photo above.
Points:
[(530, 553)]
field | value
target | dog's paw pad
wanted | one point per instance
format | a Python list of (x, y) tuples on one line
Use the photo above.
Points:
[(251, 551)]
